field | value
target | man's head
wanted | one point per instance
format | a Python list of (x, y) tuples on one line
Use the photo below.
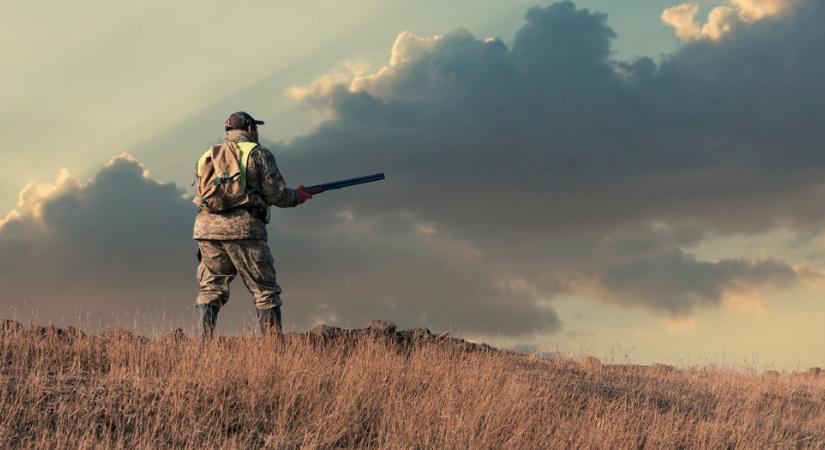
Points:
[(242, 121)]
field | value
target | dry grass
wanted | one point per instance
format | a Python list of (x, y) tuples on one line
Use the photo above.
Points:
[(71, 391)]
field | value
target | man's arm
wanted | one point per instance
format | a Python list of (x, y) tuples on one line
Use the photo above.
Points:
[(271, 183)]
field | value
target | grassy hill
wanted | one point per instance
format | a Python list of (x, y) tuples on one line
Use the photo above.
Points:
[(377, 388)]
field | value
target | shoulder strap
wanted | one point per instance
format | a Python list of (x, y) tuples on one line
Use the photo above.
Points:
[(202, 160), (244, 150)]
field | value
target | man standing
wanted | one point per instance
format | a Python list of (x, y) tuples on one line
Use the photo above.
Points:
[(237, 181)]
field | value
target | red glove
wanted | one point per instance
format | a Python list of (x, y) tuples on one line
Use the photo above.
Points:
[(303, 195)]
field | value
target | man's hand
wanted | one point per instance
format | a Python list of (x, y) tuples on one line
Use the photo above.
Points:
[(303, 195)]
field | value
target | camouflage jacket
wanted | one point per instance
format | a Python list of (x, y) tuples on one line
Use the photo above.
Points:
[(266, 187)]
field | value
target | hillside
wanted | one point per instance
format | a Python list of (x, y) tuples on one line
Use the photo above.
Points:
[(376, 388)]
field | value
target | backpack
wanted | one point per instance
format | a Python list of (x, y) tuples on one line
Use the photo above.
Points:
[(221, 177)]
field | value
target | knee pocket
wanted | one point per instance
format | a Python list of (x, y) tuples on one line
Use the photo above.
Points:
[(263, 263)]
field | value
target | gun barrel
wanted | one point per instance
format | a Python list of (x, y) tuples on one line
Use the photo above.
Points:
[(318, 188)]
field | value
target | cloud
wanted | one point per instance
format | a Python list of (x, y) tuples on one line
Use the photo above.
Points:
[(406, 50), (121, 243), (721, 19), (753, 10), (575, 134), (746, 302), (678, 283), (566, 166), (117, 241), (363, 268), (683, 20)]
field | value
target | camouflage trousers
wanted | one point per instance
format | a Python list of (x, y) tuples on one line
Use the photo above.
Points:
[(221, 261)]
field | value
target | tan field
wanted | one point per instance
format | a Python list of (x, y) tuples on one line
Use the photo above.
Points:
[(377, 389)]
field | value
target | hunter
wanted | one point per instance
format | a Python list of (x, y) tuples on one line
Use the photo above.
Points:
[(237, 182)]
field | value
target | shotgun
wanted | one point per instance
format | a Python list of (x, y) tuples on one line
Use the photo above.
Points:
[(318, 188)]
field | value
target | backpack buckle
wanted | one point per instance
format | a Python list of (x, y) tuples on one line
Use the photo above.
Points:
[(221, 179)]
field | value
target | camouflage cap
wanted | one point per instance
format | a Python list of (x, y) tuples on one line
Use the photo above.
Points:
[(241, 121)]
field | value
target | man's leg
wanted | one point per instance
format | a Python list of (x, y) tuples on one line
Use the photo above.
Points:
[(255, 264), (215, 272)]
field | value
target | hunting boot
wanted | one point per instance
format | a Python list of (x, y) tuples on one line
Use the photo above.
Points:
[(208, 314), (269, 321)]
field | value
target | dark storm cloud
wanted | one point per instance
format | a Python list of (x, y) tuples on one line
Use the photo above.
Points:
[(547, 151), (515, 172), (121, 244), (676, 283), (356, 271), (551, 135), (114, 246)]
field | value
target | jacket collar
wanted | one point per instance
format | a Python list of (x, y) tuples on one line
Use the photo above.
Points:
[(239, 136)]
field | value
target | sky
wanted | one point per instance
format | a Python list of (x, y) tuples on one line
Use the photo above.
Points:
[(635, 180)]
